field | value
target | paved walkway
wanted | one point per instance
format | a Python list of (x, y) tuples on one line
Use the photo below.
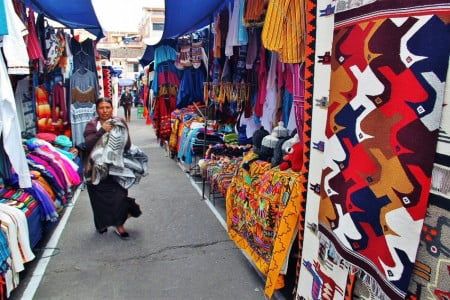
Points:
[(178, 249)]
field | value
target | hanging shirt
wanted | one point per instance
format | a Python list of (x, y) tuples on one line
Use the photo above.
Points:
[(33, 45), (14, 46), (270, 104), (9, 126), (59, 109)]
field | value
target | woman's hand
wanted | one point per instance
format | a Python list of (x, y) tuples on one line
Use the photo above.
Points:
[(107, 126)]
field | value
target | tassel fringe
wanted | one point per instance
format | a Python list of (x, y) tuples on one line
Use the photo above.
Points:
[(440, 180), (375, 291)]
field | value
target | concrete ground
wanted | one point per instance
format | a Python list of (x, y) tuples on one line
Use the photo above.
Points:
[(178, 249)]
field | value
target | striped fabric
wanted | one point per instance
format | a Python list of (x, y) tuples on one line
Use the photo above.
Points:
[(283, 30), (19, 199)]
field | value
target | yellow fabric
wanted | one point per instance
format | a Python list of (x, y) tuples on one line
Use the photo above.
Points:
[(284, 30), (261, 186)]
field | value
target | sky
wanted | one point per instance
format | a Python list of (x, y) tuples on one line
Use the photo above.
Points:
[(122, 15)]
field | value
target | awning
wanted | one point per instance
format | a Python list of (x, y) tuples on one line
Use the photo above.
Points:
[(184, 16), (104, 53), (78, 14)]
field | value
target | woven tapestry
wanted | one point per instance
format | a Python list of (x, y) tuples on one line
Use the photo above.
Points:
[(431, 274), (107, 82), (262, 216), (386, 95)]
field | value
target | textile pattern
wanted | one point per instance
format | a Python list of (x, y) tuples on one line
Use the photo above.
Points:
[(304, 109), (386, 94), (317, 278), (431, 277), (107, 83), (262, 216)]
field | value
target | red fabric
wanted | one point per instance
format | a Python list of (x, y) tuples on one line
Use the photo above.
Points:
[(262, 75), (59, 108), (299, 97), (49, 137), (107, 84), (33, 45), (161, 116)]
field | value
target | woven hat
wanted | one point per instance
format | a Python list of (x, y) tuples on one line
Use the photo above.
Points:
[(258, 137), (281, 131)]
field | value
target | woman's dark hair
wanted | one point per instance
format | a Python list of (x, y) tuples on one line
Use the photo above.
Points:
[(103, 99)]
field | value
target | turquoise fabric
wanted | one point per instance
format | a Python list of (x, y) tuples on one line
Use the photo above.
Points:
[(3, 24), (164, 53), (242, 30), (68, 154), (63, 141)]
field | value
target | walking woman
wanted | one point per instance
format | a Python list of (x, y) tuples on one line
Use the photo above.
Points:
[(108, 198), (126, 100)]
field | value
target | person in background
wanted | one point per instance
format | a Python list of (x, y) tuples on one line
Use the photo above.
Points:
[(126, 100), (108, 198)]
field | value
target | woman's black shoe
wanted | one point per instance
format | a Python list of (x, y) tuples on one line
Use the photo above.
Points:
[(102, 230), (123, 235)]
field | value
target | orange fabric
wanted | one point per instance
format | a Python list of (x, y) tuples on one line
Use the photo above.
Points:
[(284, 30)]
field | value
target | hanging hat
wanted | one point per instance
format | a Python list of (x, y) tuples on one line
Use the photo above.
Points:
[(280, 130), (257, 139)]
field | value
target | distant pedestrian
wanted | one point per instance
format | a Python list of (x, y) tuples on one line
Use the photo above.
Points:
[(126, 100)]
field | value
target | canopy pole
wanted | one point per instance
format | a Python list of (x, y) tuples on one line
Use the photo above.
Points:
[(208, 54)]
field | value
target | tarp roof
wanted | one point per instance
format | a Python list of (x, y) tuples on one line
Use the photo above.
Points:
[(183, 16), (77, 14)]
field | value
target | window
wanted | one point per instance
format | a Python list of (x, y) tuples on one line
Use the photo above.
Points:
[(158, 26), (135, 67)]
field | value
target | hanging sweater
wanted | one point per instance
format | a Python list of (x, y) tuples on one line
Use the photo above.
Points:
[(10, 129), (59, 104)]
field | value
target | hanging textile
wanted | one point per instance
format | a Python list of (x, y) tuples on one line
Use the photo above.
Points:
[(262, 216), (312, 281), (14, 47), (33, 45), (107, 82), (430, 278), (386, 97), (283, 30), (10, 129), (3, 23), (165, 86), (83, 55), (255, 12)]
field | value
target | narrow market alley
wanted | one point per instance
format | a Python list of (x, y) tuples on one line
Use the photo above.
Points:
[(177, 250)]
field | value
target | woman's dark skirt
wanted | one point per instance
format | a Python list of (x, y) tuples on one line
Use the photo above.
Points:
[(109, 204)]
